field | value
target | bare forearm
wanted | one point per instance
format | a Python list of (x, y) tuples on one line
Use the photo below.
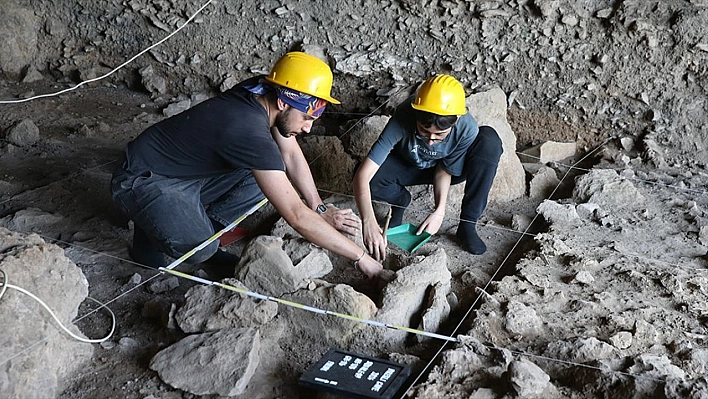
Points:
[(362, 191), (316, 230), (441, 188)]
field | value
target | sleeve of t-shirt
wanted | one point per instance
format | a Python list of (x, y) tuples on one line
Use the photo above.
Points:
[(392, 134), (454, 162)]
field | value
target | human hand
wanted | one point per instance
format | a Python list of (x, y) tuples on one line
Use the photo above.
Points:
[(369, 266), (343, 220), (431, 224), (374, 240)]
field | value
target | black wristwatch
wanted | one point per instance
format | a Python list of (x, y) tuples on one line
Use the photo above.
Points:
[(321, 208)]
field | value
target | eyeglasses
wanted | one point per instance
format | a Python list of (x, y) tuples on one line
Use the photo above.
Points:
[(426, 139), (429, 136)]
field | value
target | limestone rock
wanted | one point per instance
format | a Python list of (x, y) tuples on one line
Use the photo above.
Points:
[(23, 134), (548, 151), (339, 298), (210, 308), (221, 362), (489, 108), (45, 271), (19, 31), (266, 268)]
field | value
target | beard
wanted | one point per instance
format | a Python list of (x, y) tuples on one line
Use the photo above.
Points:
[(281, 123)]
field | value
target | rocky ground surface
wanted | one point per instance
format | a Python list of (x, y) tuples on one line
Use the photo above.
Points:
[(595, 281)]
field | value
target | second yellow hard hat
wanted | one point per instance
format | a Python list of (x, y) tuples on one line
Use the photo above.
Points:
[(441, 95)]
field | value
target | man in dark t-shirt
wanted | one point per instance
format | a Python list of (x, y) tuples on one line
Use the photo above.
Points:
[(430, 139), (196, 172)]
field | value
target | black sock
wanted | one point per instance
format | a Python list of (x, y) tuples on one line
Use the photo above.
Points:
[(467, 233), (222, 258), (221, 265)]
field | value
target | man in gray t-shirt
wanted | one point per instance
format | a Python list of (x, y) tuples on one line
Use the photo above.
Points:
[(430, 139)]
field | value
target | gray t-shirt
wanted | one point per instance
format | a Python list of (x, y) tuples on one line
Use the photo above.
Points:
[(399, 136)]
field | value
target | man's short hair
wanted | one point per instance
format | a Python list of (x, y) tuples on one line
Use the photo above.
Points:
[(428, 119)]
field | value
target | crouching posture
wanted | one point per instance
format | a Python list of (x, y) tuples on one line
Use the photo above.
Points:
[(430, 139), (200, 170)]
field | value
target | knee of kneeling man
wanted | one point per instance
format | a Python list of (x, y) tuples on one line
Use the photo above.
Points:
[(203, 254)]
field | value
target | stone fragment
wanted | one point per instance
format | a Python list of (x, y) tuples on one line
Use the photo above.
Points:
[(44, 270), (19, 31), (543, 183), (215, 363), (23, 134), (522, 320), (548, 151), (607, 189), (406, 295), (584, 277), (156, 85), (176, 108), (164, 284), (31, 75), (520, 222), (621, 340), (527, 379), (210, 308), (339, 298), (266, 268)]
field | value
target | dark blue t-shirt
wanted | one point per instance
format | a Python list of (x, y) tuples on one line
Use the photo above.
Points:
[(223, 134), (399, 136)]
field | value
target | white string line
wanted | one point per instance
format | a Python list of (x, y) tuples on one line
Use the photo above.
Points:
[(653, 182), (352, 318), (501, 264), (114, 69), (357, 319), (6, 285), (451, 339)]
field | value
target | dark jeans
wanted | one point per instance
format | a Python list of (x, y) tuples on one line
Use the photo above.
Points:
[(175, 213), (390, 181)]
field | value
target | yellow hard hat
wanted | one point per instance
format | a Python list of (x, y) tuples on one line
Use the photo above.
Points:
[(304, 73), (441, 95)]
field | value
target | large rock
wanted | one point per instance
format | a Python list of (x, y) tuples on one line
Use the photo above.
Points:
[(336, 298), (210, 308), (489, 108), (360, 137), (220, 362), (38, 371), (268, 269), (19, 30), (408, 295), (331, 166)]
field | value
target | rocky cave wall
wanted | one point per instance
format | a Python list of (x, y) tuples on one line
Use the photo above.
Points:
[(606, 67)]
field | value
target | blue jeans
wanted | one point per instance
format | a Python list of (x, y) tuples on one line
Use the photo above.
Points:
[(390, 181), (176, 214)]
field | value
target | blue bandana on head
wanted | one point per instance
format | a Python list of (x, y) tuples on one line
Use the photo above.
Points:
[(306, 103)]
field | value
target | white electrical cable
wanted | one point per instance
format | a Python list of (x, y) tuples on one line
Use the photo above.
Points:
[(5, 285), (114, 69)]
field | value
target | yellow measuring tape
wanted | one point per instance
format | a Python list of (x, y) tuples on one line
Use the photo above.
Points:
[(170, 269), (305, 307)]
